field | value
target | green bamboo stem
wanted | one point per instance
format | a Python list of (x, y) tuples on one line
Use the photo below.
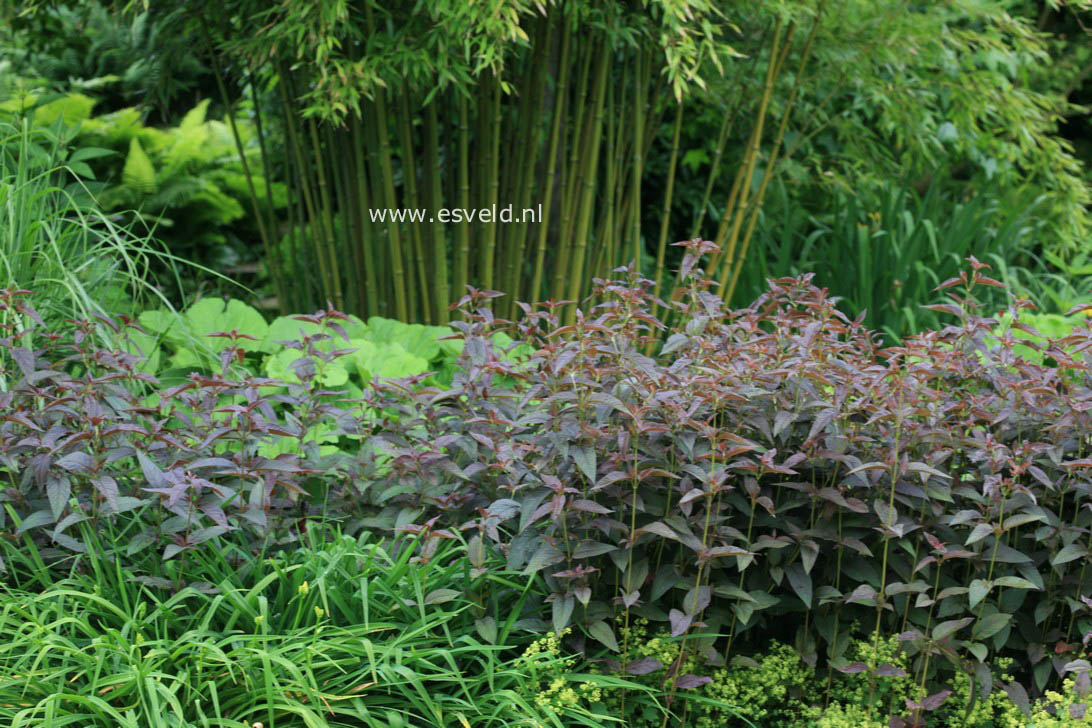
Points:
[(750, 158), (570, 179), (665, 214), (398, 271), (528, 161), (640, 102), (462, 229), (607, 232), (491, 183), (309, 205), (722, 140), (551, 159), (366, 240), (771, 164), (404, 124), (590, 163), (263, 230), (341, 174), (327, 254), (441, 293), (383, 243), (275, 273)]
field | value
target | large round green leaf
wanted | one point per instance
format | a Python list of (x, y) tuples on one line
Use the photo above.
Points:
[(279, 366), (384, 360)]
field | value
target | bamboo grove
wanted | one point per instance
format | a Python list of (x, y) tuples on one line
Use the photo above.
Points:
[(560, 122)]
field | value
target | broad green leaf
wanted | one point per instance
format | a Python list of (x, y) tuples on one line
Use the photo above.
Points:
[(978, 649), (584, 457), (72, 108), (34, 520), (1072, 552), (1014, 582), (697, 599), (386, 361), (213, 315), (285, 328), (145, 346), (279, 366), (415, 339), (990, 625), (602, 633), (159, 321), (439, 596), (980, 532), (800, 582), (978, 590), (487, 628), (1020, 519), (546, 555), (195, 117), (562, 612), (944, 629)]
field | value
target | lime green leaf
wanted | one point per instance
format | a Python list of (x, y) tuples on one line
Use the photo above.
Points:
[(138, 172), (72, 108), (279, 366), (211, 315), (416, 339), (195, 117), (384, 360)]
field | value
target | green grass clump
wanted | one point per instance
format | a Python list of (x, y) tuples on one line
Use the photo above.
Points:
[(349, 632)]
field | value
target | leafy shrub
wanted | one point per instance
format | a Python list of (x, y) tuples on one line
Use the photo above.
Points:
[(768, 473), (86, 436), (772, 471), (219, 447), (1040, 328)]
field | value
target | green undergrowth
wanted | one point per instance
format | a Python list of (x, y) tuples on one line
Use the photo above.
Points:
[(347, 632), (775, 688)]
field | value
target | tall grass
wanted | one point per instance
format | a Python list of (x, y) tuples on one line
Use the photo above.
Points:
[(56, 242), (52, 241), (348, 632), (884, 251)]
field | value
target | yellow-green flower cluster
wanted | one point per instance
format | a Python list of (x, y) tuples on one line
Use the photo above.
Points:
[(548, 646), (1059, 704), (768, 694), (552, 690), (889, 691), (996, 711), (560, 695), (845, 716)]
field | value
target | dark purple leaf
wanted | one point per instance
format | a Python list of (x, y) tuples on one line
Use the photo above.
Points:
[(643, 666), (689, 682), (679, 622), (853, 668)]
